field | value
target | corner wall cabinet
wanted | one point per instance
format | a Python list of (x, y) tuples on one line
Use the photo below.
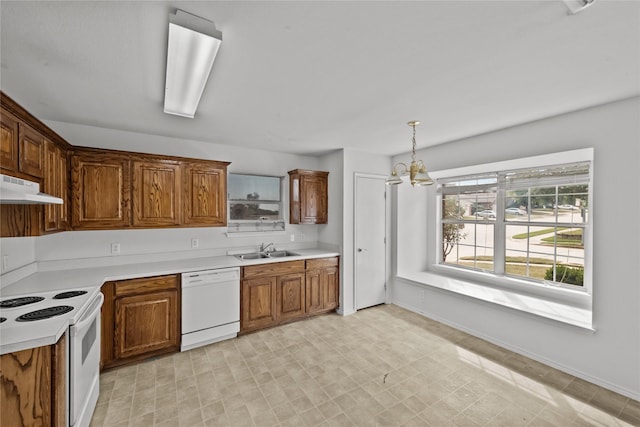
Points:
[(33, 391), (56, 183), (140, 319), (8, 141), (308, 197), (31, 150), (281, 292)]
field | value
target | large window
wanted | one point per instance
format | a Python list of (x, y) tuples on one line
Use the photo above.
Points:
[(528, 223)]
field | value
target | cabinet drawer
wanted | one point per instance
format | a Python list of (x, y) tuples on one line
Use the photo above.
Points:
[(272, 269), (313, 264), (145, 284)]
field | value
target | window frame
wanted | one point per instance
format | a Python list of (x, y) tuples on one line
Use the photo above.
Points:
[(261, 224), (498, 277)]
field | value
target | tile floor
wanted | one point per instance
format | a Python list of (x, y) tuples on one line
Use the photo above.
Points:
[(382, 366)]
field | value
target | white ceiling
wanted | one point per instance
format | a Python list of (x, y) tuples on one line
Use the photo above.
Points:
[(308, 77)]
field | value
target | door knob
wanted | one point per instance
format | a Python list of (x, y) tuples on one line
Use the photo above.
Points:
[(360, 250)]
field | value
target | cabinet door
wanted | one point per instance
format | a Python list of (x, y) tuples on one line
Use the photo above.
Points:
[(146, 323), (331, 288), (31, 148), (156, 193), (63, 189), (52, 176), (291, 296), (313, 200), (314, 291), (258, 309), (25, 395), (205, 195), (100, 191), (59, 383), (8, 141)]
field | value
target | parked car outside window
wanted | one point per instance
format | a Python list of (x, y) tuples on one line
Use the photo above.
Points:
[(486, 214), (515, 211)]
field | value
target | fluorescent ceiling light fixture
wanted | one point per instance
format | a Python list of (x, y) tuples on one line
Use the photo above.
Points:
[(193, 46)]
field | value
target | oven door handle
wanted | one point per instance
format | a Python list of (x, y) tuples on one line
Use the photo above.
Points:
[(89, 317)]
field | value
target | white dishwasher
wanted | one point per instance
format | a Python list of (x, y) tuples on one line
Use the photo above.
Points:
[(210, 306)]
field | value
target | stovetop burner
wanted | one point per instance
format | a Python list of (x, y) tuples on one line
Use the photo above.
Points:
[(19, 302), (44, 313), (69, 294)]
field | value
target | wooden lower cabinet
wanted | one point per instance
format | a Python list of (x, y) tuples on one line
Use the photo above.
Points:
[(290, 296), (322, 285), (33, 386), (140, 319), (276, 293), (258, 303)]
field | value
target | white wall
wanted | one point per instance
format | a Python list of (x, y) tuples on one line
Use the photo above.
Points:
[(96, 244), (16, 252), (610, 356)]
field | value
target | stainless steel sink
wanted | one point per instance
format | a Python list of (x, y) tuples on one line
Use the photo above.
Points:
[(251, 256), (259, 255), (279, 254)]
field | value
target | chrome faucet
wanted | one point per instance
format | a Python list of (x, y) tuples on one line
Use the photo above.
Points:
[(263, 247)]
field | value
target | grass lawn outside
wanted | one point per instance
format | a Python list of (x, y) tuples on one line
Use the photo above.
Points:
[(518, 269), (536, 233)]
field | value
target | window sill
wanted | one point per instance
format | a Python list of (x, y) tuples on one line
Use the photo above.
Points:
[(561, 311)]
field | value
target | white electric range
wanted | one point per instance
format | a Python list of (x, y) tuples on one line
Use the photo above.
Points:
[(47, 314)]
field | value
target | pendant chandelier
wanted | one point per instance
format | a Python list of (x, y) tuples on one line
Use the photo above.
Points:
[(417, 171)]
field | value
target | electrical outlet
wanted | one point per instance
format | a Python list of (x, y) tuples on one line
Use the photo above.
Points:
[(115, 248), (194, 243), (421, 295), (5, 262), (292, 238), (301, 237)]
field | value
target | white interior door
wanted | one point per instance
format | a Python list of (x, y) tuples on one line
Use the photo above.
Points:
[(370, 253)]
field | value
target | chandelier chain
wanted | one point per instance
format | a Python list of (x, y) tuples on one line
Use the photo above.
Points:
[(413, 140)]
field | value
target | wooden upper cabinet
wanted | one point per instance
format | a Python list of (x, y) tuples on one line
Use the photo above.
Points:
[(55, 183), (31, 159), (100, 191), (8, 141), (205, 190), (308, 197), (156, 193)]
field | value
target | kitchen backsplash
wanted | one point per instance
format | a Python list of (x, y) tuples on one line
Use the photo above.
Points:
[(92, 245)]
